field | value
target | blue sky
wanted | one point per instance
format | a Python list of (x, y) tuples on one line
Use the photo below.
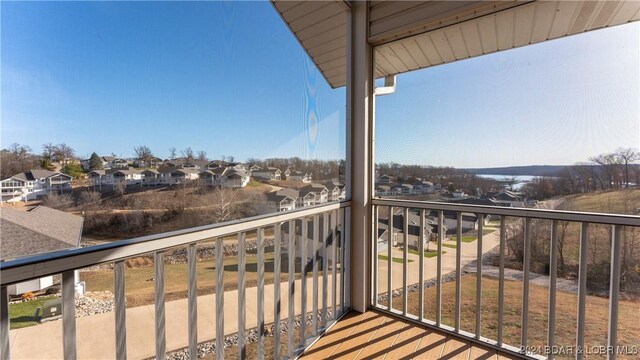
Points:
[(230, 79), (553, 103), (226, 78)]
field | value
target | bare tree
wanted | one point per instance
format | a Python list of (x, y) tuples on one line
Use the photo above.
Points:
[(625, 157), (172, 153), (188, 155), (202, 155), (63, 153), (143, 154), (16, 159)]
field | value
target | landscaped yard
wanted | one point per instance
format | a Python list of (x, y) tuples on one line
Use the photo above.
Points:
[(139, 282), (22, 314)]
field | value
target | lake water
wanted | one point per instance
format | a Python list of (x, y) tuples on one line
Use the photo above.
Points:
[(520, 179)]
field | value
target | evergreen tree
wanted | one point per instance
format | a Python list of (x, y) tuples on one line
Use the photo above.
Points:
[(95, 163)]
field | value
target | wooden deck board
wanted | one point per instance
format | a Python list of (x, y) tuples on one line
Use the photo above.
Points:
[(375, 335)]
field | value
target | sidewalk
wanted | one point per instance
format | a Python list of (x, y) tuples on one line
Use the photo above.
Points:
[(468, 255), (96, 334)]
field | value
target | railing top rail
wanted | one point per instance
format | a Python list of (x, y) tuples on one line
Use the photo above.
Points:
[(36, 266), (562, 215)]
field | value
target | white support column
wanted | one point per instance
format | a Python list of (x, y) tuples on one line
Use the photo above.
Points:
[(360, 144)]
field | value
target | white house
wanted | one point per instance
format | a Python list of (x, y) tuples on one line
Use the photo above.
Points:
[(177, 176), (268, 173), (397, 235), (313, 194), (34, 184), (282, 200), (295, 175), (37, 230)]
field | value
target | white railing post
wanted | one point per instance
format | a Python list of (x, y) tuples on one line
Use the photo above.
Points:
[(277, 302), (304, 254), (219, 299), (421, 266), (458, 300), (389, 258), (158, 282), (192, 301), (503, 237), (374, 258), (439, 269), (242, 264), (69, 314), (260, 291), (4, 324), (582, 290), (291, 257), (553, 273), (479, 274), (405, 261), (525, 284), (614, 289), (314, 262), (120, 310)]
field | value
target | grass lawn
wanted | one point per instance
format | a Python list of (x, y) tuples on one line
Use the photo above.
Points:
[(566, 305), (395, 259), (22, 314), (427, 253), (139, 280), (452, 246)]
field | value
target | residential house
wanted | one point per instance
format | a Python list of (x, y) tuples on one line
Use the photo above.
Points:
[(268, 173), (282, 200), (295, 175), (34, 184), (126, 176), (313, 194), (35, 231), (450, 219), (384, 179), (397, 235), (506, 198), (178, 175), (383, 190), (152, 163), (150, 177)]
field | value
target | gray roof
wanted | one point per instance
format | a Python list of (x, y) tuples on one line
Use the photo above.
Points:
[(312, 188), (32, 175), (40, 229)]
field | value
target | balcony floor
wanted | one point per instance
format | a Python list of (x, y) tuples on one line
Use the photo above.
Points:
[(381, 336)]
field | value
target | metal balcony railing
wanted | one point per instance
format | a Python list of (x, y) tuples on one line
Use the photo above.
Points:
[(383, 298), (319, 239)]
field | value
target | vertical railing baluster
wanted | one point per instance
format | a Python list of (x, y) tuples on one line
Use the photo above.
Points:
[(501, 279), (342, 261), (479, 274), (120, 310), (421, 266), (291, 257), (439, 268), (374, 258), (314, 262), (277, 264), (219, 299), (242, 260), (347, 257), (193, 301), (304, 254), (553, 273), (405, 261), (389, 258), (325, 264), (4, 324), (614, 289), (458, 272), (582, 290), (69, 314), (525, 284), (334, 263), (260, 280), (158, 281)]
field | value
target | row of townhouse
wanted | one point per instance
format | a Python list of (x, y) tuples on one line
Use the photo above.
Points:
[(312, 194), (230, 175), (33, 185), (422, 188), (275, 174), (107, 163)]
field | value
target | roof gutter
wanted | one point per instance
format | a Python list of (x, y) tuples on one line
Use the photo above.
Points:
[(388, 88)]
